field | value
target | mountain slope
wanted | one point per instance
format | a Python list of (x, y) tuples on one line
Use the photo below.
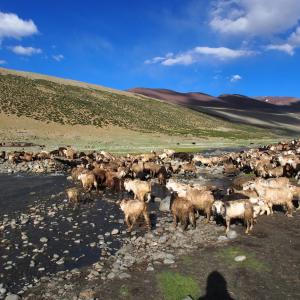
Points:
[(61, 101), (280, 115)]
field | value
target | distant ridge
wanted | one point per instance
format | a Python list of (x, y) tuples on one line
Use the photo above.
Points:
[(225, 100)]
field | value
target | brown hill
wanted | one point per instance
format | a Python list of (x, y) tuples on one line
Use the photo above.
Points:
[(276, 100), (177, 97), (279, 114)]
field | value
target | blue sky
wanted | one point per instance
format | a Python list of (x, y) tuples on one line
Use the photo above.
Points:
[(249, 47)]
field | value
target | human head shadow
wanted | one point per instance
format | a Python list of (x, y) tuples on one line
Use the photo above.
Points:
[(216, 288)]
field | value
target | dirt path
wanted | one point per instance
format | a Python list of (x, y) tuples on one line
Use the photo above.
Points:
[(270, 270)]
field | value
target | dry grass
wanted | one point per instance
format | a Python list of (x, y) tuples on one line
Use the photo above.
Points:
[(52, 111)]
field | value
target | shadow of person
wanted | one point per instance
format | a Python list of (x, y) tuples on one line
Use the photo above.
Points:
[(216, 288)]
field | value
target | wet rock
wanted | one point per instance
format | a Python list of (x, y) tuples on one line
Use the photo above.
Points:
[(115, 231), (43, 240), (2, 291), (232, 234), (61, 261), (164, 205)]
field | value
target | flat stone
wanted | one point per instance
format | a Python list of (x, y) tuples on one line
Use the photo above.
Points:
[(240, 258), (168, 261), (43, 239), (115, 231)]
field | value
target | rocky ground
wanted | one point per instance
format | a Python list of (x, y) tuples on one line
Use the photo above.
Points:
[(49, 250), (48, 166)]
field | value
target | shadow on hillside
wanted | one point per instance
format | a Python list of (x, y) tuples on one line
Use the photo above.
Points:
[(240, 117)]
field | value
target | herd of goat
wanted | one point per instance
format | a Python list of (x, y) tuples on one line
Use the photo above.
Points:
[(274, 171)]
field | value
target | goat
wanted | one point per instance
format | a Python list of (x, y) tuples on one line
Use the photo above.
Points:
[(239, 209)]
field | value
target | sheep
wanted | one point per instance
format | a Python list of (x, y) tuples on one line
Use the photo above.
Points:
[(281, 195), (113, 180), (133, 209), (148, 157), (296, 193), (174, 186), (88, 181), (100, 176), (43, 155), (189, 168), (271, 182), (162, 178), (75, 172), (239, 209), (152, 168), (137, 169), (247, 193), (2, 154), (138, 187), (259, 207), (73, 195), (69, 153), (182, 211), (275, 172), (201, 200), (27, 157)]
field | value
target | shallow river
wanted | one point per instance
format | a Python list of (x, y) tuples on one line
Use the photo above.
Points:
[(43, 234)]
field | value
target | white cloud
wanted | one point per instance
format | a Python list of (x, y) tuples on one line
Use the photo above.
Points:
[(287, 48), (255, 17), (199, 53), (28, 51), (58, 57), (294, 38), (154, 60), (2, 62), (235, 78), (14, 27), (158, 59)]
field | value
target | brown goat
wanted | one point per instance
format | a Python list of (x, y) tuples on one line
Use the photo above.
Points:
[(73, 195), (133, 209), (182, 211), (201, 200), (88, 181)]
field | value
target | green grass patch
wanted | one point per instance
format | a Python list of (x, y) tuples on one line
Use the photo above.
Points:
[(176, 286), (251, 262), (124, 292)]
